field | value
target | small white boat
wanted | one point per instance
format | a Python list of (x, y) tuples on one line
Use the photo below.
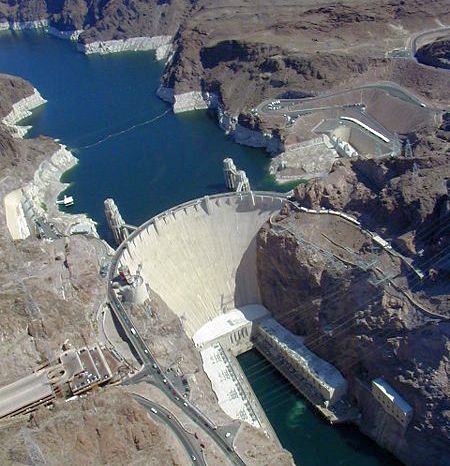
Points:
[(66, 202)]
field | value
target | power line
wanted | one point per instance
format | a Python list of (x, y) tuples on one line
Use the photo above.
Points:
[(342, 326)]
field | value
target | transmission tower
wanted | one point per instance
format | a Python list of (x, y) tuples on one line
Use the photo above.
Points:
[(34, 452), (378, 152), (408, 149), (396, 146)]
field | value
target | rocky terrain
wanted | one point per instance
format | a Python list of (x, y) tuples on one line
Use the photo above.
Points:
[(245, 52), (405, 199), (436, 53), (50, 292), (112, 429), (251, 50), (364, 324), (36, 276)]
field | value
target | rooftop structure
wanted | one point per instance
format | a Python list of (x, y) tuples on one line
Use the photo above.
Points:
[(85, 368), (324, 377), (391, 401), (81, 370), (232, 329), (230, 393), (25, 393)]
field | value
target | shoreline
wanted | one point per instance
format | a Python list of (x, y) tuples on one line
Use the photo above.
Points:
[(38, 197), (184, 102), (162, 45), (198, 100), (20, 110)]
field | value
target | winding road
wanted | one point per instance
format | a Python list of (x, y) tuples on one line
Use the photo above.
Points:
[(152, 373), (163, 415)]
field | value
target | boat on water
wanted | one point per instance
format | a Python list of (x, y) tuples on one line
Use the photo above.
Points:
[(66, 202)]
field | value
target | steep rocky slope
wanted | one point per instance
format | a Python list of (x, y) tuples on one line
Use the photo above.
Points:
[(436, 53), (36, 276), (405, 199), (249, 50), (353, 318), (304, 47)]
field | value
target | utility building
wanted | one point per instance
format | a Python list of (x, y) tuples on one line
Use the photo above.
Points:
[(322, 377), (391, 401)]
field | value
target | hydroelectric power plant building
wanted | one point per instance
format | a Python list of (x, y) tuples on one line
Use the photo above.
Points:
[(200, 258)]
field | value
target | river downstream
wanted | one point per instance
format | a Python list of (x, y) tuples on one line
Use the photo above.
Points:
[(133, 148)]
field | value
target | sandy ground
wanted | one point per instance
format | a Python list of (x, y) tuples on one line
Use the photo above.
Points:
[(15, 218)]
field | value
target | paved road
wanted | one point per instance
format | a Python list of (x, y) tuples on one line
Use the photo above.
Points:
[(187, 440), (152, 368), (391, 88)]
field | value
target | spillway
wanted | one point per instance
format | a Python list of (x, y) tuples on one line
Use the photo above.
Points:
[(200, 257)]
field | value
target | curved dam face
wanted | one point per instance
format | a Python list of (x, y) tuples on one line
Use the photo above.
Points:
[(200, 257)]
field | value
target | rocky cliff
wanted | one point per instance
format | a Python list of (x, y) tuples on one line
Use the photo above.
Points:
[(403, 198), (360, 320), (436, 53)]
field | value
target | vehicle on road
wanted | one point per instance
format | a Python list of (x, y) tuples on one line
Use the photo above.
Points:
[(133, 331), (153, 410)]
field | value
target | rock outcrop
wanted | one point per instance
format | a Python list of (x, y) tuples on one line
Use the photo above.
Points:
[(21, 110), (134, 44), (436, 53), (111, 429), (365, 327)]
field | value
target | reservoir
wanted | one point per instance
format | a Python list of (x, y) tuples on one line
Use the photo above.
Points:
[(131, 147)]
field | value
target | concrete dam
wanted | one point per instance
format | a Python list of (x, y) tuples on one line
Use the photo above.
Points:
[(200, 257)]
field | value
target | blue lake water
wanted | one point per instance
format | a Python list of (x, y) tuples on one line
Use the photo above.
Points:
[(146, 169), (94, 105)]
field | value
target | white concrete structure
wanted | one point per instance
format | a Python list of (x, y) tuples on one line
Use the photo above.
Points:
[(391, 401), (232, 330), (230, 393), (200, 257), (235, 179), (321, 375), (115, 221)]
